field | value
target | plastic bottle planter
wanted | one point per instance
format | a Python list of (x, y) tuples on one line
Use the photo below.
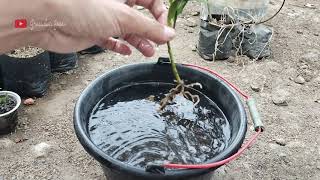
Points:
[(238, 9), (255, 43), (214, 88), (63, 62), (8, 120), (28, 77), (208, 36)]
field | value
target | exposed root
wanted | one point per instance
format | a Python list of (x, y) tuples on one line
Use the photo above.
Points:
[(180, 89)]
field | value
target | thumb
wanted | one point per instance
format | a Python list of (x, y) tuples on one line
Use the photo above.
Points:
[(131, 21)]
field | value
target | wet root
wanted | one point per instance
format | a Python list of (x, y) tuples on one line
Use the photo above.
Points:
[(180, 89)]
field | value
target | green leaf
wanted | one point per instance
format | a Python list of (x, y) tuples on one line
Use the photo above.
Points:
[(175, 9), (4, 99)]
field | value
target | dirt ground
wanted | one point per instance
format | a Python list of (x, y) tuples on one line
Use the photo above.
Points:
[(289, 148)]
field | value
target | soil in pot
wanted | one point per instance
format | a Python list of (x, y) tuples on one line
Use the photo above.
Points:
[(25, 52), (7, 103), (128, 126)]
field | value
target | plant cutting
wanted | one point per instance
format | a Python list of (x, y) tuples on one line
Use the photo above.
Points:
[(175, 9), (9, 104)]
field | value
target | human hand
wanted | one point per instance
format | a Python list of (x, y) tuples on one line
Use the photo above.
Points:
[(156, 7), (159, 12), (89, 22)]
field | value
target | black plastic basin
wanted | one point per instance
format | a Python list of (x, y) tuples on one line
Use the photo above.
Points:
[(214, 88)]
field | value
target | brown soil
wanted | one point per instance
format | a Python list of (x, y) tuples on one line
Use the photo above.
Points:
[(288, 149), (25, 52)]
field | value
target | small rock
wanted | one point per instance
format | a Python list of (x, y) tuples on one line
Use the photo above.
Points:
[(255, 87), (29, 102), (42, 149), (299, 80), (282, 155), (194, 48), (191, 23), (195, 13), (295, 14), (20, 140), (140, 7), (6, 143), (190, 31), (151, 98), (70, 72), (304, 66), (280, 97), (272, 3), (299, 32), (281, 142), (311, 6), (291, 73)]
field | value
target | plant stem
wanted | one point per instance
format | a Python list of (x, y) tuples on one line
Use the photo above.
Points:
[(173, 64), (172, 61)]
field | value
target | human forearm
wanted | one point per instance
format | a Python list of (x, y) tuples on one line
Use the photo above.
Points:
[(83, 23), (30, 10)]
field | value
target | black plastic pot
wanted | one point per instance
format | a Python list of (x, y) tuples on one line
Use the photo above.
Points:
[(213, 87), (8, 121), (28, 77), (256, 42), (63, 62), (207, 41)]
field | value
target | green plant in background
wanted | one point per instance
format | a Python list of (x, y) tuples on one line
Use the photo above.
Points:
[(4, 99), (175, 9)]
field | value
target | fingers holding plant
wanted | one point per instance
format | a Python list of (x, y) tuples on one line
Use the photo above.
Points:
[(156, 8), (159, 11), (138, 30), (95, 22)]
